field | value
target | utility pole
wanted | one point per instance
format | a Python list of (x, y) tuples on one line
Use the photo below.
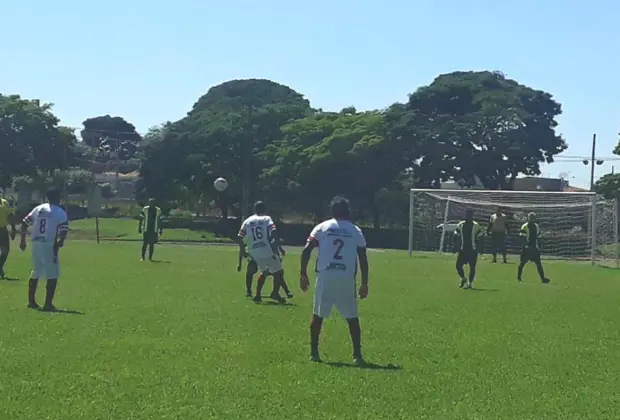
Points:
[(248, 142), (592, 162)]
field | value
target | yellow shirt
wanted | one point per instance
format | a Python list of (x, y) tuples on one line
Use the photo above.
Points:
[(498, 223), (5, 211)]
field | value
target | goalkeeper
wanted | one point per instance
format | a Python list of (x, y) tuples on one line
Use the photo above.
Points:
[(469, 232), (498, 228), (530, 232)]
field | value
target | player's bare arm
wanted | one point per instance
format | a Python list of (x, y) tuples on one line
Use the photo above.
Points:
[(241, 252), (304, 282), (363, 261)]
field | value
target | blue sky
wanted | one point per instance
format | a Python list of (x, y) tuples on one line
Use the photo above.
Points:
[(148, 61)]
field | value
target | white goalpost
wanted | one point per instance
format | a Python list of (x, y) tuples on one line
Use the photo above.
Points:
[(574, 225)]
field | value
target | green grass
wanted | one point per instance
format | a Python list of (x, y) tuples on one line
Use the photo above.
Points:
[(177, 340), (127, 229)]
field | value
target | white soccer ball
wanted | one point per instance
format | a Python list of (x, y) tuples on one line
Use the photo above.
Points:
[(220, 184)]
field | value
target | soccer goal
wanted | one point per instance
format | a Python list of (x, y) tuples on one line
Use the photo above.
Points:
[(574, 225)]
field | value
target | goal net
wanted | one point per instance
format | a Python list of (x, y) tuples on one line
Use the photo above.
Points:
[(574, 225)]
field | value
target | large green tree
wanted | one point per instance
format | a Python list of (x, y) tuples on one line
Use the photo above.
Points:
[(111, 137), (221, 136), (327, 154), (31, 139), (608, 186), (479, 124)]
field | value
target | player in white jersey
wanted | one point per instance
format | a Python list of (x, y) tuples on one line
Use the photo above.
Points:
[(341, 244), (258, 233), (49, 230)]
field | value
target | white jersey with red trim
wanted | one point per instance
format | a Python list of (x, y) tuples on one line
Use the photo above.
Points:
[(257, 232), (338, 242), (46, 221)]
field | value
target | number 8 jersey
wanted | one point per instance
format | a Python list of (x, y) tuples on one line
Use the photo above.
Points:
[(338, 242), (46, 222), (257, 232)]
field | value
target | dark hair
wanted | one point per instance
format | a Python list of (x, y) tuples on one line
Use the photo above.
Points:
[(469, 213), (340, 208), (260, 207), (53, 195)]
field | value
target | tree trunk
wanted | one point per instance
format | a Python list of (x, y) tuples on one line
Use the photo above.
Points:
[(376, 219)]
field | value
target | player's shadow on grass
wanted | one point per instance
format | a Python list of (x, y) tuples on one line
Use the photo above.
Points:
[(10, 279), (63, 311), (274, 303), (483, 290), (159, 262), (369, 366)]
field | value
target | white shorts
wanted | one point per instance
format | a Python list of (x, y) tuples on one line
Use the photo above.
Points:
[(331, 291), (269, 265), (45, 262)]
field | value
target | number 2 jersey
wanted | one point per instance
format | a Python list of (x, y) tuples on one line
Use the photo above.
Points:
[(257, 232), (338, 242), (46, 221)]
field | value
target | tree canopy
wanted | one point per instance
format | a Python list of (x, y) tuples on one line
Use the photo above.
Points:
[(111, 136), (31, 139), (268, 142)]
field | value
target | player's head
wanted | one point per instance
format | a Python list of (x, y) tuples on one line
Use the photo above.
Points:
[(469, 215), (340, 208), (53, 196), (498, 210), (151, 201), (531, 217), (260, 208)]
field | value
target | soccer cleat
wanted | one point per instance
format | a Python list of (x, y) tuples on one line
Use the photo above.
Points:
[(277, 298), (141, 259), (467, 285), (463, 282), (2, 275), (359, 361), (546, 281), (290, 295), (519, 280), (315, 357), (33, 305), (49, 308), (248, 293), (257, 299)]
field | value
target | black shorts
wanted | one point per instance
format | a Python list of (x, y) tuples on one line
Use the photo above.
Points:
[(150, 238), (252, 266), (467, 257), (530, 254), (498, 239), (5, 239)]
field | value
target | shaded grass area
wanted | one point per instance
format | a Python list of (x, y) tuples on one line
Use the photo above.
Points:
[(177, 339), (127, 229)]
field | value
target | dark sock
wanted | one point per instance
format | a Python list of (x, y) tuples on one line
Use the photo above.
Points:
[(32, 290), (3, 256), (494, 256), (151, 251), (277, 283), (259, 284), (472, 273), (356, 336), (248, 281), (315, 332), (51, 290), (520, 270), (541, 271), (285, 287), (144, 246), (459, 269)]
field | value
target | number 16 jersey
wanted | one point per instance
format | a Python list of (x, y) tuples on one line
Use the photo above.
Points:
[(257, 231), (338, 242)]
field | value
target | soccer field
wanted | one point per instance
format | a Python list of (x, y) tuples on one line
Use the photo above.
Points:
[(178, 340)]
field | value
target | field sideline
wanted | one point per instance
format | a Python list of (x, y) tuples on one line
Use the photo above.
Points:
[(177, 339)]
